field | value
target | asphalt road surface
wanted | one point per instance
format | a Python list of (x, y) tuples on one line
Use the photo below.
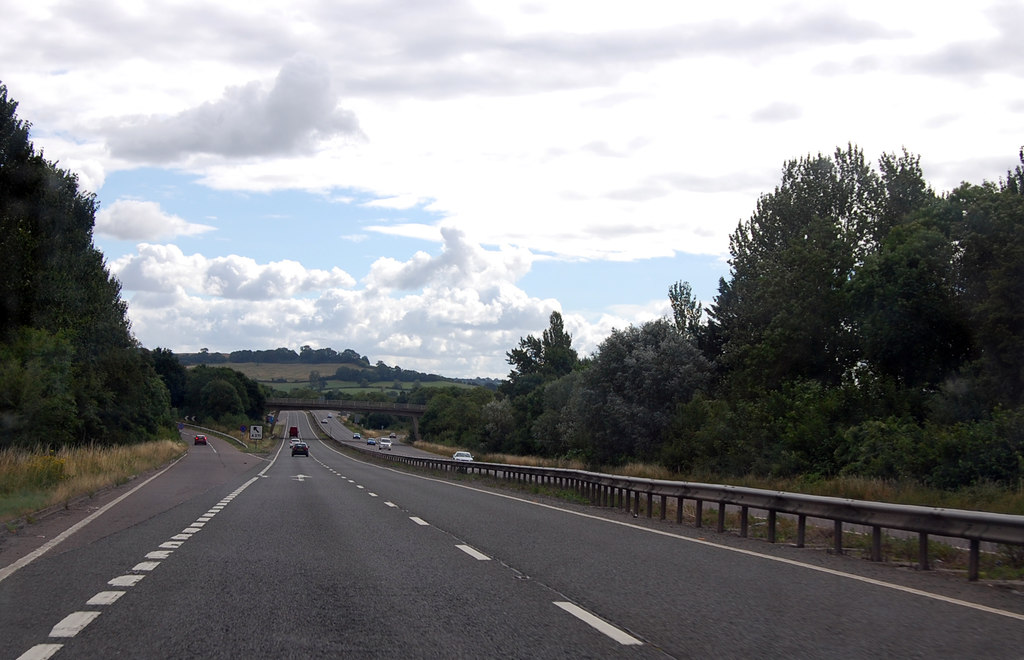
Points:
[(326, 556)]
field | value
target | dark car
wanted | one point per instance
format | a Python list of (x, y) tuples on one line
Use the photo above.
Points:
[(300, 448), (199, 440)]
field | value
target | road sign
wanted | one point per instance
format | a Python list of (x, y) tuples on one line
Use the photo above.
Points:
[(256, 433)]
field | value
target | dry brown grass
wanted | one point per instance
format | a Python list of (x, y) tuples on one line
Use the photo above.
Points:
[(37, 479), (981, 497)]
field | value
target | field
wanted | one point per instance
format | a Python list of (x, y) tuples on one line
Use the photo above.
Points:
[(291, 376)]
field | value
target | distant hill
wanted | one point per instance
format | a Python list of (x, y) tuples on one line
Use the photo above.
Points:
[(347, 365)]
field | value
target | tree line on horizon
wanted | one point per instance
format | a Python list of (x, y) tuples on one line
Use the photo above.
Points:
[(868, 327)]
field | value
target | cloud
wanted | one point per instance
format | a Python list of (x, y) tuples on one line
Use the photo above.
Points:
[(776, 112), (132, 220), (456, 312), (290, 118), (166, 269), (461, 264)]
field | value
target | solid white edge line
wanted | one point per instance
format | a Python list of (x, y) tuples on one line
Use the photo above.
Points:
[(599, 624), (73, 624), (750, 553), (40, 652), (7, 571), (472, 552)]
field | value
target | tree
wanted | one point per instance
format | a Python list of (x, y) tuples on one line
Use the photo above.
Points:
[(218, 398), (686, 310), (907, 316), (626, 398), (989, 235), (785, 313), (173, 373), (551, 356), (57, 295), (536, 361)]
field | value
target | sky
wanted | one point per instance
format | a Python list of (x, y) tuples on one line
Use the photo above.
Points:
[(426, 182)]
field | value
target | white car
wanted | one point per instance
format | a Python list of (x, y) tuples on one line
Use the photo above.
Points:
[(462, 456), (384, 443)]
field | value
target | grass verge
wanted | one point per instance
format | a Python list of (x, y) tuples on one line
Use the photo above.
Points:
[(34, 480)]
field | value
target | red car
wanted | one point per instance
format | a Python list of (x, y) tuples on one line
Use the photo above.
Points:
[(200, 440)]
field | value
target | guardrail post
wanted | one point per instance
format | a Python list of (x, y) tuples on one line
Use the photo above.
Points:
[(772, 519), (721, 517), (922, 551), (699, 514), (743, 520), (876, 543), (636, 503), (679, 510), (838, 534), (664, 506), (801, 530), (650, 504), (973, 561)]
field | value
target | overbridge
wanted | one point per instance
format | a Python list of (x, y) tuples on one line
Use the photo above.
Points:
[(411, 410)]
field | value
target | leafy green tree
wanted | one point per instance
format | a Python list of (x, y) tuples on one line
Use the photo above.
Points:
[(686, 310), (626, 398), (907, 315), (990, 278), (785, 313), (173, 372), (37, 404), (454, 416), (215, 402), (218, 398), (536, 362), (56, 283)]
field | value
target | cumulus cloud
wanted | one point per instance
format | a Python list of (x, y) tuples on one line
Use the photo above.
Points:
[(166, 269), (291, 117), (461, 264), (456, 312), (132, 220)]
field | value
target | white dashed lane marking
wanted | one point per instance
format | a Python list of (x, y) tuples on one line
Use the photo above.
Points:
[(145, 566), (105, 598), (73, 624), (40, 652), (126, 580), (472, 552), (418, 521), (603, 626)]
